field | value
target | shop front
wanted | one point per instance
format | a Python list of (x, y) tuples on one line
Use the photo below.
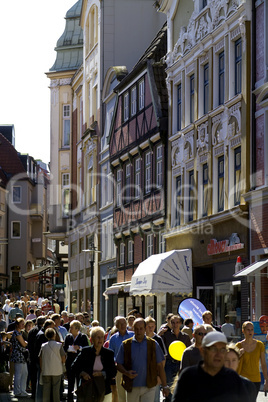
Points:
[(215, 249)]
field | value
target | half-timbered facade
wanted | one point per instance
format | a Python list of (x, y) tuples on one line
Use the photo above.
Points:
[(138, 147)]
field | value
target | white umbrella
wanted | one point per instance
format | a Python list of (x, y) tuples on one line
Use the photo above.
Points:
[(169, 272)]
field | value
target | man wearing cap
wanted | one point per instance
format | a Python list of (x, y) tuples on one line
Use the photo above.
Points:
[(210, 380)]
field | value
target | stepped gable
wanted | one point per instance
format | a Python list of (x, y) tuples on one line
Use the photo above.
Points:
[(10, 163)]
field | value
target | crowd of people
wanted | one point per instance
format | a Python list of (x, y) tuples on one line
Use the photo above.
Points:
[(42, 346)]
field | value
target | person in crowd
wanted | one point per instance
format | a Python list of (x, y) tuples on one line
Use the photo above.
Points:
[(33, 358), (207, 319), (210, 380), (40, 339), (150, 326), (208, 328), (12, 324), (23, 308), (25, 334), (172, 366), (3, 324), (64, 316), (140, 359), (130, 322), (6, 308), (70, 319), (61, 331), (167, 325), (73, 344), (31, 315), (97, 363), (233, 355), (188, 327), (112, 332), (228, 329), (80, 317), (192, 355), (51, 357), (13, 311), (87, 322), (253, 355), (19, 359), (56, 306), (115, 343)]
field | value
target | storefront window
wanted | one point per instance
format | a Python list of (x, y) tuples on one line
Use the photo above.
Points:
[(228, 302)]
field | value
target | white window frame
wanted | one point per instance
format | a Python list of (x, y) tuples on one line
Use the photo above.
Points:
[(122, 254), (65, 188), (162, 243), (126, 106), (12, 227), (119, 187), (159, 163), (130, 251), (141, 94), (149, 245), (148, 172), (133, 101), (128, 182), (137, 178), (66, 117), (18, 201)]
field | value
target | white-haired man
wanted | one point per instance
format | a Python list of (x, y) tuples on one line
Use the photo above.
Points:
[(115, 343)]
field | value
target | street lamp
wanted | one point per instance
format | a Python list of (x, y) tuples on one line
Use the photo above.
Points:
[(91, 252)]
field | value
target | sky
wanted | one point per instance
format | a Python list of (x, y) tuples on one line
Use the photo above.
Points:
[(29, 30)]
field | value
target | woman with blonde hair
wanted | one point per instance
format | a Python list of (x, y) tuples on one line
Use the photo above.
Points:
[(252, 354)]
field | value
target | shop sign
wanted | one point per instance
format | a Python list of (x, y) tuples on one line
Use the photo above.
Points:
[(224, 246)]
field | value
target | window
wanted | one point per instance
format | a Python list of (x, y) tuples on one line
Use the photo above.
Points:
[(81, 244), (122, 254), (221, 78), (119, 187), (73, 248), (238, 66), (205, 189), (192, 98), (191, 196), (130, 251), (159, 163), (126, 107), (147, 172), (17, 194), (221, 183), (237, 175), (178, 201), (137, 177), (205, 2), (149, 245), (66, 194), (127, 183), (66, 125), (206, 88), (141, 94), (162, 243), (179, 108), (15, 230), (133, 101)]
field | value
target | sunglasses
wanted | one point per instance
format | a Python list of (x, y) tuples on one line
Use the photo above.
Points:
[(201, 333)]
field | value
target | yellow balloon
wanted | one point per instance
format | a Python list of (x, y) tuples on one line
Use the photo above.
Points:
[(176, 349)]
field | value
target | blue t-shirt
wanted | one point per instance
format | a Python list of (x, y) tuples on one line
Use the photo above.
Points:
[(117, 339), (139, 359)]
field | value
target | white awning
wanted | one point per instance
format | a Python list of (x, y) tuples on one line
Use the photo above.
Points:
[(252, 269), (116, 288), (169, 272)]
